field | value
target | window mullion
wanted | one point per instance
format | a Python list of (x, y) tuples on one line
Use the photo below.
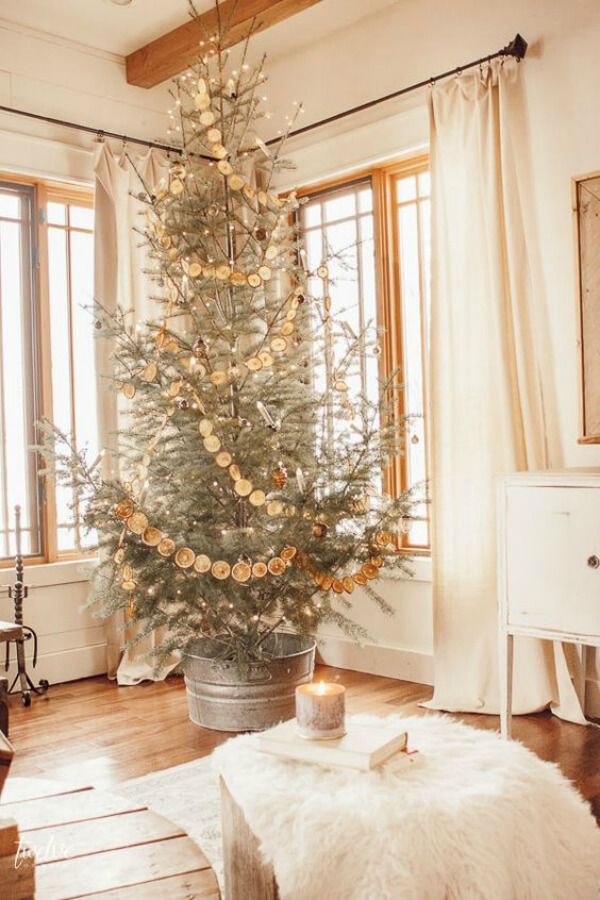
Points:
[(71, 355)]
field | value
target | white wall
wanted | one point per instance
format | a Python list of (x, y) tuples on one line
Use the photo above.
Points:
[(59, 78), (406, 42), (71, 641)]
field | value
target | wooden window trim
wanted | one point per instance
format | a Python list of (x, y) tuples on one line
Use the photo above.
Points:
[(45, 191), (388, 284)]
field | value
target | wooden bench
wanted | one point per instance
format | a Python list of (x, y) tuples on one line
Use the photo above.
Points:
[(8, 632), (90, 843)]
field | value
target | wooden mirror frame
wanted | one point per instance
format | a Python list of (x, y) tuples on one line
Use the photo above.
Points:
[(585, 191)]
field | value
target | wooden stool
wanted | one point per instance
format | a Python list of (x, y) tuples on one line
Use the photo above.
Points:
[(8, 632), (247, 875)]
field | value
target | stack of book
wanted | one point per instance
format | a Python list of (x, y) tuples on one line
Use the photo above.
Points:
[(363, 747)]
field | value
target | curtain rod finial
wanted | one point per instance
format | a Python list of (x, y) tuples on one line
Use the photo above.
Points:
[(516, 48)]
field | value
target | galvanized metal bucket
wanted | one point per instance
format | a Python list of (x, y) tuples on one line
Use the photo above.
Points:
[(223, 696)]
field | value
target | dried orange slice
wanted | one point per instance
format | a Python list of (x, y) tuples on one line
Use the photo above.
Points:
[(152, 536), (241, 572), (221, 569), (370, 571), (166, 547), (276, 566), (137, 523), (124, 509), (185, 557), (202, 563)]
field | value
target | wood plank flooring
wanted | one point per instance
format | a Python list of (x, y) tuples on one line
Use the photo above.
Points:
[(93, 732), (89, 843)]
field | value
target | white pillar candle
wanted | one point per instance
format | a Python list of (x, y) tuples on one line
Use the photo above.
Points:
[(320, 710)]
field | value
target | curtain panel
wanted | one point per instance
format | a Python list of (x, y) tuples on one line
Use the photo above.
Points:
[(119, 281), (490, 414)]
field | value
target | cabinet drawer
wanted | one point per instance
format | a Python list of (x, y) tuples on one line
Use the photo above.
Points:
[(551, 533)]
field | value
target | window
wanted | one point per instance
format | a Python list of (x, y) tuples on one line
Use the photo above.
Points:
[(19, 383), (377, 226), (46, 341)]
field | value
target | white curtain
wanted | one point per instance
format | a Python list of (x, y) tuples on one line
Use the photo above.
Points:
[(488, 409), (119, 281)]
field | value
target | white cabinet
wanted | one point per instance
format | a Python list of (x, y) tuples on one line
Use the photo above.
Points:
[(548, 564)]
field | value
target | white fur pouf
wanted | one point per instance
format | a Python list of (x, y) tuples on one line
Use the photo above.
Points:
[(476, 818)]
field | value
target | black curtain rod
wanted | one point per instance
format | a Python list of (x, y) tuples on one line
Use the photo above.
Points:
[(516, 48), (99, 132)]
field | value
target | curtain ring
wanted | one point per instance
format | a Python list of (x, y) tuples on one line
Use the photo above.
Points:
[(100, 136)]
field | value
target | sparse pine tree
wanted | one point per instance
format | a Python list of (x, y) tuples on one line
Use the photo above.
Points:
[(237, 509)]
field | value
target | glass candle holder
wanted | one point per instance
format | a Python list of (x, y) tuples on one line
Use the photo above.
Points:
[(321, 711)]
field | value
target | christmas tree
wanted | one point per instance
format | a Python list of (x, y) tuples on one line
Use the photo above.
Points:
[(235, 510)]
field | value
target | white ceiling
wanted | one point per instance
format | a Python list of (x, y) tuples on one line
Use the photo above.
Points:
[(103, 25)]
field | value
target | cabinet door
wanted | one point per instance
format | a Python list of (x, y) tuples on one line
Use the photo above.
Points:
[(551, 533)]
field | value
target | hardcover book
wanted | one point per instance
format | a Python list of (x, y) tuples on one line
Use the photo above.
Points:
[(363, 746)]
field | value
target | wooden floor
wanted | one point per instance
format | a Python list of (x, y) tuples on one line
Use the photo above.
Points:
[(94, 733), (91, 844)]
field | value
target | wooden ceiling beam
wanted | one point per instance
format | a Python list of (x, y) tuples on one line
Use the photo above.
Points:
[(171, 53)]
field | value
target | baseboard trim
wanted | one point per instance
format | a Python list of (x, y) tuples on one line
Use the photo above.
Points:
[(66, 665), (592, 698), (376, 659)]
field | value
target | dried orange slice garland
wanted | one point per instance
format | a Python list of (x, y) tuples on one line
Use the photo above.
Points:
[(242, 571)]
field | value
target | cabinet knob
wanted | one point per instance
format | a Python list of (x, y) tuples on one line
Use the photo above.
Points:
[(593, 562)]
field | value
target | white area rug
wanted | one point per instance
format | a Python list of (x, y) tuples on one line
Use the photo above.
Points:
[(188, 795), (477, 819)]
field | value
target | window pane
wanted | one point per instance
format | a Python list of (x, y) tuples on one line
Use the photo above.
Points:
[(411, 302), (81, 217), (413, 227), (341, 240), (59, 329), (369, 304), (18, 384), (57, 213), (60, 332), (348, 248), (84, 374), (365, 200), (311, 215), (340, 206), (406, 188), (10, 205), (70, 271), (424, 184)]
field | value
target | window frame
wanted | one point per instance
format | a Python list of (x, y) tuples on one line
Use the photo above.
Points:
[(45, 191), (388, 278)]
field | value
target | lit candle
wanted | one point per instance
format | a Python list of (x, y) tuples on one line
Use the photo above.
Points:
[(320, 710)]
